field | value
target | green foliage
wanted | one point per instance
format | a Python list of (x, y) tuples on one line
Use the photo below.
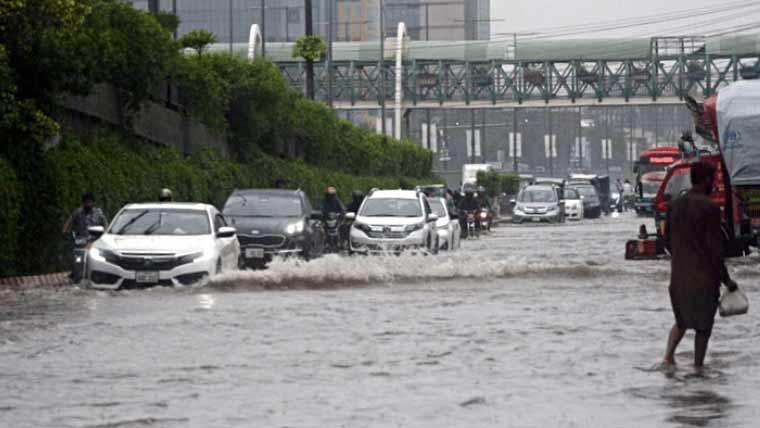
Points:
[(169, 21), (198, 40), (10, 210), (309, 48), (497, 183), (119, 171)]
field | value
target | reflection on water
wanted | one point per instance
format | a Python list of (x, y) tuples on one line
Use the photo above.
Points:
[(530, 327)]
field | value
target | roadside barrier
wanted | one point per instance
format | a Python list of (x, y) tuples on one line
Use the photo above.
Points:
[(53, 279)]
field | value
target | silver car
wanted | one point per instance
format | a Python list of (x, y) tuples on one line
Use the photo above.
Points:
[(393, 220), (449, 230), (537, 204)]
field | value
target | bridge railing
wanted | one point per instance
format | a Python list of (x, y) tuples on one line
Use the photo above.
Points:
[(465, 82)]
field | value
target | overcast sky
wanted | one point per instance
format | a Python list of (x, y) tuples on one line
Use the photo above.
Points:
[(529, 15)]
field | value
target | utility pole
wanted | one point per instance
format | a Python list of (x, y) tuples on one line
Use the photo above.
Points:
[(382, 66), (309, 31), (264, 27), (514, 140), (580, 138), (329, 61), (174, 11), (153, 6), (229, 4), (551, 141)]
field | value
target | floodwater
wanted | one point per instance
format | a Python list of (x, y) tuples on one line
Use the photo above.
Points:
[(530, 327)]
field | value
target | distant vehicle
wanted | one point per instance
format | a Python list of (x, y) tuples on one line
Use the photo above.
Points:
[(393, 220), (592, 206), (538, 203), (602, 185), (646, 191), (439, 190), (161, 244), (470, 173), (559, 184), (526, 180), (449, 230), (274, 222), (573, 204), (655, 159)]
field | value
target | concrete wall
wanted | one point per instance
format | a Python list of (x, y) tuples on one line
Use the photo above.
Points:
[(155, 122)]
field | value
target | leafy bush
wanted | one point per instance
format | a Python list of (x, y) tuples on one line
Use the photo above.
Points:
[(497, 183), (119, 171), (10, 210)]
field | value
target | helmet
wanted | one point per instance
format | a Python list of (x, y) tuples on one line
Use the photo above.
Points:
[(165, 195)]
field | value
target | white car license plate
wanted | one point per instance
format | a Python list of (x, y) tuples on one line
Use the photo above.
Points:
[(146, 277), (254, 253), (536, 219)]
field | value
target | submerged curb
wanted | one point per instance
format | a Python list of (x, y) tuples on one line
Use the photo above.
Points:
[(53, 279)]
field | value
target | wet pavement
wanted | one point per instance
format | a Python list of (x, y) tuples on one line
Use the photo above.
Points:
[(533, 326)]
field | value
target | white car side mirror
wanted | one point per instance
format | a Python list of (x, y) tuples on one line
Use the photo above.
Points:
[(351, 216), (96, 231), (432, 217), (226, 232)]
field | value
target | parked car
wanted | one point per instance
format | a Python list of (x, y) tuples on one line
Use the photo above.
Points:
[(393, 220), (161, 244), (573, 204), (592, 206), (449, 230), (536, 204), (274, 222)]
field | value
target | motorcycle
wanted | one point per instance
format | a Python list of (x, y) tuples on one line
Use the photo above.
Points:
[(332, 227), (471, 229), (484, 219), (79, 257)]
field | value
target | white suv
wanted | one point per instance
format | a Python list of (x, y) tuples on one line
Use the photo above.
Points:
[(393, 220)]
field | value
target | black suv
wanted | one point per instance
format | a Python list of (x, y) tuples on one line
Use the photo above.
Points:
[(273, 222)]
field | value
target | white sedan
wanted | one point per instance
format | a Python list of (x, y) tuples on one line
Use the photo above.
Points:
[(573, 205), (161, 244), (449, 230)]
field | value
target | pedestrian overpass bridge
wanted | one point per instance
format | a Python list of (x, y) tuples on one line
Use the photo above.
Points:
[(531, 73)]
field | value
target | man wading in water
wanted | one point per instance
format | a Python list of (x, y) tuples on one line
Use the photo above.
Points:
[(697, 266)]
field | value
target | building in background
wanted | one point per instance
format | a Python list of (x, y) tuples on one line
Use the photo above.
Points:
[(354, 20)]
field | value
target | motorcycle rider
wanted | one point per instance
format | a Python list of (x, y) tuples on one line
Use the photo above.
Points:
[(469, 202), (78, 224), (165, 195), (331, 203), (84, 217), (357, 197)]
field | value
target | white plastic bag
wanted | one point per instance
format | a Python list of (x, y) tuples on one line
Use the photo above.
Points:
[(733, 303)]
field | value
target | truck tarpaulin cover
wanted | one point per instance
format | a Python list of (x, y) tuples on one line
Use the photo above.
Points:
[(739, 130)]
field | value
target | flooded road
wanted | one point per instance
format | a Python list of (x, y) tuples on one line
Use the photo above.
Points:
[(529, 327)]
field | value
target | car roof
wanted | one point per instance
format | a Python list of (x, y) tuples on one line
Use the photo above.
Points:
[(539, 187), (169, 205), (396, 194), (271, 192)]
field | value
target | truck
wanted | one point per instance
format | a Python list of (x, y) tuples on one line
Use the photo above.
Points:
[(730, 121), (650, 171), (470, 174)]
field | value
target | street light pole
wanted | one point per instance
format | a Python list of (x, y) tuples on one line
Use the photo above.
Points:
[(514, 139), (309, 31), (229, 4), (330, 53), (264, 28), (382, 66)]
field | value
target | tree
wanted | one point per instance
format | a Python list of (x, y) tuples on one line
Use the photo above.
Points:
[(198, 40), (168, 20), (311, 49)]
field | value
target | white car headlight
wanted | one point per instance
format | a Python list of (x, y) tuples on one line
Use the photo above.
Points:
[(103, 254), (294, 228), (414, 227)]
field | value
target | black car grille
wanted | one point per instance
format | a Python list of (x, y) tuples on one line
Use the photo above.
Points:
[(261, 241), (191, 278), (131, 284), (149, 263)]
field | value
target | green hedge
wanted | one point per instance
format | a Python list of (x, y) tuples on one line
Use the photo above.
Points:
[(497, 183), (253, 102), (10, 210), (119, 171)]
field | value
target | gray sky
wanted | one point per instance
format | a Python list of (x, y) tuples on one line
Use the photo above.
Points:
[(529, 15)]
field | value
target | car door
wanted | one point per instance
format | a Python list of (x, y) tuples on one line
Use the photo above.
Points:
[(227, 248)]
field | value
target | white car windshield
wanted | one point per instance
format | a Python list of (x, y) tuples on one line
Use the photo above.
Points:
[(161, 222), (387, 207), (572, 194), (263, 206), (437, 207), (538, 195), (586, 191)]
